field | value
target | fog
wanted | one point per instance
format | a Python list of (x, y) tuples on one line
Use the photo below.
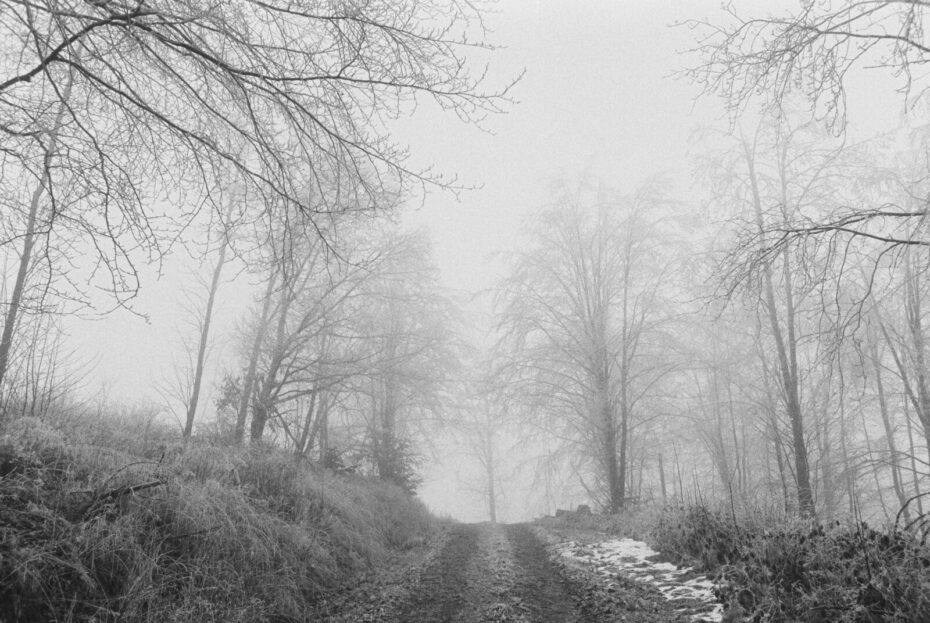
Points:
[(602, 255)]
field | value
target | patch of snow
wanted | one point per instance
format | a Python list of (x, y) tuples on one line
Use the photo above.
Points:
[(632, 559)]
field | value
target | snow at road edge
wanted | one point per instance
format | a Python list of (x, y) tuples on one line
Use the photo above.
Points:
[(632, 559)]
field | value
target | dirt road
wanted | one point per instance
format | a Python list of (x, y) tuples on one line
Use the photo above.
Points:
[(476, 573)]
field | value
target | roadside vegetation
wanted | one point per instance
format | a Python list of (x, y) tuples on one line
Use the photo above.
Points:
[(106, 517), (769, 567)]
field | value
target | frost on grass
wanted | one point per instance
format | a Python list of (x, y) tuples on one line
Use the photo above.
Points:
[(688, 589)]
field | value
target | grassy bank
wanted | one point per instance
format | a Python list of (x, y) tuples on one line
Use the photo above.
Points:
[(105, 520), (777, 570), (772, 569)]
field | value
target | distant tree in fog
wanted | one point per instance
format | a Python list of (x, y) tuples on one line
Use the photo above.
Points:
[(356, 333), (200, 309), (832, 386), (120, 120), (42, 376), (895, 340), (781, 173), (306, 301), (578, 310), (407, 326), (485, 413)]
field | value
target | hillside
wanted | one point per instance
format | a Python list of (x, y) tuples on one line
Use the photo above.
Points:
[(101, 521)]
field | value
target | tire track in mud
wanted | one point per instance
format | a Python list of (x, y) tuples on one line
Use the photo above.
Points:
[(442, 588), (545, 591)]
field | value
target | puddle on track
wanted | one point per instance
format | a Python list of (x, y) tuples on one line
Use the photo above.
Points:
[(635, 560)]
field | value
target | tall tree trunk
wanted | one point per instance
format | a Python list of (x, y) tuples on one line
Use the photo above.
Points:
[(622, 459), (826, 491), (912, 398), (721, 458), (614, 466), (29, 238), (874, 465), (324, 434), (802, 466), (848, 470), (787, 356), (780, 460), (629, 334), (259, 419), (263, 405), (783, 476), (204, 340), (615, 481), (739, 458), (914, 314), (492, 493), (889, 434), (915, 475), (248, 383), (662, 478), (638, 489), (305, 441)]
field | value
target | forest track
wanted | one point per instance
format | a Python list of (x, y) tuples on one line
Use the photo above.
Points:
[(443, 590), (545, 590), (482, 573)]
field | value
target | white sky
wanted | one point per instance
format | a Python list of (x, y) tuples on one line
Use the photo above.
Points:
[(597, 97)]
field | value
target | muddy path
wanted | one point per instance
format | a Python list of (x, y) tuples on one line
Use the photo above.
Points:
[(480, 573), (547, 593), (443, 590)]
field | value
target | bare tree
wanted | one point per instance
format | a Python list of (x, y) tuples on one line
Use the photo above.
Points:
[(42, 377), (894, 457), (908, 348), (575, 312), (358, 334), (812, 50), (778, 173), (204, 337), (313, 288), (259, 327), (110, 107), (482, 422), (31, 230), (189, 375), (407, 324)]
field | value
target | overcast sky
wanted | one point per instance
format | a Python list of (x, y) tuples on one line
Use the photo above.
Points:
[(597, 97)]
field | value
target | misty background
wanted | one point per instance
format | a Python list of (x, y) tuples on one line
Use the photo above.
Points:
[(601, 114)]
